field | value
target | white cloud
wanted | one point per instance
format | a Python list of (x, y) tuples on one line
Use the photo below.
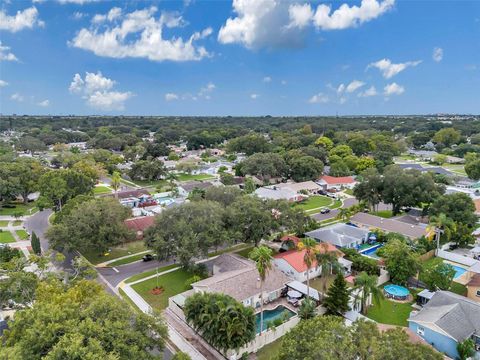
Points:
[(113, 14), (97, 91), (267, 79), (3, 83), (437, 55), (371, 91), (44, 103), (139, 35), (393, 89), (354, 85), (171, 96), (341, 88), (78, 2), (77, 15), (5, 54), (278, 23), (389, 69), (350, 16), (23, 19), (17, 97), (300, 15), (319, 98), (254, 96), (206, 90)]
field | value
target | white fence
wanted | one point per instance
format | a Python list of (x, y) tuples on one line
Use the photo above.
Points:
[(266, 338), (464, 260), (383, 278)]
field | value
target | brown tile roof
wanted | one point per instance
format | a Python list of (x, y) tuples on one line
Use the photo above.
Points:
[(295, 257), (130, 193), (474, 281), (140, 223)]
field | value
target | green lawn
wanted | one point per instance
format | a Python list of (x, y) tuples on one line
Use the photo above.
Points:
[(458, 288), (22, 234), (387, 214), (173, 283), (190, 177), (97, 190), (456, 168), (128, 260), (270, 351), (19, 208), (156, 183), (6, 237), (390, 312), (130, 248), (4, 223), (314, 202), (348, 192), (17, 222), (235, 248), (455, 287), (149, 273)]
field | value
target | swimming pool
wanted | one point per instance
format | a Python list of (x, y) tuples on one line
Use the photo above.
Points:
[(459, 271), (396, 291), (372, 251), (271, 315)]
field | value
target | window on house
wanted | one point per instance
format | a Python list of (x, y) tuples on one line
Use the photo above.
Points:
[(421, 331)]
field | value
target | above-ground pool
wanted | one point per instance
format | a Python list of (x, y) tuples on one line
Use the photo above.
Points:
[(459, 271), (271, 315), (396, 292)]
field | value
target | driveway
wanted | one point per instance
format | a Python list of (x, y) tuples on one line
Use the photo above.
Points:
[(332, 214), (38, 223)]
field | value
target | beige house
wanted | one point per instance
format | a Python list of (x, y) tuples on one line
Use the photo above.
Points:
[(473, 288)]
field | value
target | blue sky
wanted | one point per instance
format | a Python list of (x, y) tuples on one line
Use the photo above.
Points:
[(246, 57)]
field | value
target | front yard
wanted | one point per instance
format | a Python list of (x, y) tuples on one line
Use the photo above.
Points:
[(22, 234), (6, 237), (190, 177), (270, 351), (98, 190), (173, 283), (315, 202), (18, 208), (127, 249)]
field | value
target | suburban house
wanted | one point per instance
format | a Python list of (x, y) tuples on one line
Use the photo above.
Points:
[(336, 183), (473, 288), (426, 155), (455, 160), (432, 169), (291, 262), (187, 187), (446, 320), (340, 235), (308, 187), (371, 222), (261, 181), (139, 224), (276, 193), (238, 278)]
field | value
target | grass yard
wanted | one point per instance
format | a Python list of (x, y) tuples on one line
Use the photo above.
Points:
[(314, 202), (98, 190), (270, 351), (6, 237), (155, 183), (386, 214), (128, 260), (457, 288), (149, 273), (190, 177), (4, 223), (17, 222), (20, 208), (128, 300), (317, 283), (173, 283), (389, 312), (128, 249), (22, 234), (348, 192), (235, 248), (456, 168)]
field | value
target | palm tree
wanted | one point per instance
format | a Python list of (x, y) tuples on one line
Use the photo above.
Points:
[(262, 256), (343, 214), (116, 182), (442, 224), (309, 245), (367, 284), (328, 260)]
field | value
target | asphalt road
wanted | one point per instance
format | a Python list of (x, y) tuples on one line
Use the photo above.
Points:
[(125, 271), (38, 223), (333, 214)]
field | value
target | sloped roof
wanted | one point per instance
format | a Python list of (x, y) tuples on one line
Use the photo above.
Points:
[(140, 223), (389, 225), (338, 234), (295, 257), (456, 315), (474, 281), (298, 186), (191, 185), (332, 180), (130, 193)]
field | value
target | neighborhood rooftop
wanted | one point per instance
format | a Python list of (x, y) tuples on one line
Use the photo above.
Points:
[(340, 235), (388, 225)]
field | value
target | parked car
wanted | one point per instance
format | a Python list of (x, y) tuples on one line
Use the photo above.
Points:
[(322, 192), (324, 211), (148, 257), (331, 195)]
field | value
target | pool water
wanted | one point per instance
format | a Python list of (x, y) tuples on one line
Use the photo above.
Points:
[(271, 315), (372, 252), (397, 290), (459, 271)]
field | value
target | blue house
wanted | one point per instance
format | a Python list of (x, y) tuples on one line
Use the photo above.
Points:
[(446, 320)]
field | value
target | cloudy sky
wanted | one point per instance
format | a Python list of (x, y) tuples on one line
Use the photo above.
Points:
[(240, 57)]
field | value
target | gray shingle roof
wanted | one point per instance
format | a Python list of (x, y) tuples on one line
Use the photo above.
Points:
[(338, 234), (389, 225), (456, 315)]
